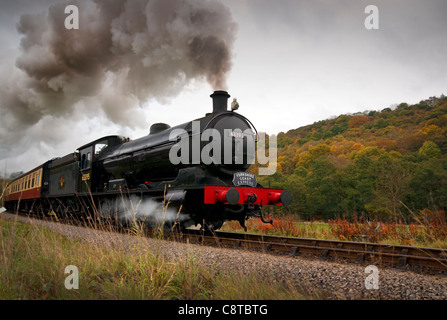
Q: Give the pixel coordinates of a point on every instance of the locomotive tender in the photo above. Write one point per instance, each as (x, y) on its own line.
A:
(113, 177)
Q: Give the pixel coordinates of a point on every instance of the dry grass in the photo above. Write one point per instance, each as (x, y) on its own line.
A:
(33, 260)
(428, 229)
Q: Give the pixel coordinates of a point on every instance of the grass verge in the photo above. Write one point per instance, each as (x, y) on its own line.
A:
(33, 261)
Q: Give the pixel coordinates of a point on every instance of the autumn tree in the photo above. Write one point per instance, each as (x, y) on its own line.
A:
(358, 121)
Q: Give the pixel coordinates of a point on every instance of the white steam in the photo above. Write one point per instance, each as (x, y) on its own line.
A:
(136, 209)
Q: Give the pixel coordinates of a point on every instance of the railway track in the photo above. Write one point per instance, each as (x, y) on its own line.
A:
(361, 252)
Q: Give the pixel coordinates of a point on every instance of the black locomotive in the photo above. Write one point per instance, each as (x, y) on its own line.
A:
(143, 179)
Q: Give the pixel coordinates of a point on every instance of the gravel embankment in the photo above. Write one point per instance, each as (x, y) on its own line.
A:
(334, 280)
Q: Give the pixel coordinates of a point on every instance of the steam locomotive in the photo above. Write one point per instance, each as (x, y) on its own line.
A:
(116, 178)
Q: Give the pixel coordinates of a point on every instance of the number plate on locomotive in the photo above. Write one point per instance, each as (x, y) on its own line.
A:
(244, 179)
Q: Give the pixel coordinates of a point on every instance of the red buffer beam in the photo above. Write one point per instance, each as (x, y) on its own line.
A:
(246, 195)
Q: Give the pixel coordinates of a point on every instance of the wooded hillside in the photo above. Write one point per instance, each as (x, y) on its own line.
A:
(381, 164)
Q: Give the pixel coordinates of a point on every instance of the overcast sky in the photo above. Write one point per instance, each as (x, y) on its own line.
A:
(293, 63)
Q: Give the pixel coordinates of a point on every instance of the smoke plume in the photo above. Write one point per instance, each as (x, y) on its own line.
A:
(124, 54)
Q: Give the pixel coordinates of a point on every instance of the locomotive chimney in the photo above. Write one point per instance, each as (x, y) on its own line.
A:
(220, 101)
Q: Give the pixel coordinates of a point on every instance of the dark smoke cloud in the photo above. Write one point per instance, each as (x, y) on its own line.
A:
(125, 53)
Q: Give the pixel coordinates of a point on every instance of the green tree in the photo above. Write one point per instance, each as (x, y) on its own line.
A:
(429, 185)
(393, 177)
(321, 196)
(430, 150)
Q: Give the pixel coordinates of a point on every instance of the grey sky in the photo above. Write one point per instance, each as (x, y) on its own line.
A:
(294, 62)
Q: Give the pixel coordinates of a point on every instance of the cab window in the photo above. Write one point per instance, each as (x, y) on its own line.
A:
(100, 146)
(86, 160)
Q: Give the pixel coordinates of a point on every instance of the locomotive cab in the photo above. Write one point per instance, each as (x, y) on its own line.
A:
(92, 176)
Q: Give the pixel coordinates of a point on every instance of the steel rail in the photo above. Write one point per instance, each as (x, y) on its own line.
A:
(392, 255)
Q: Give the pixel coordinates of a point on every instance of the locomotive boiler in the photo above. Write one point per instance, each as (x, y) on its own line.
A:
(193, 173)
